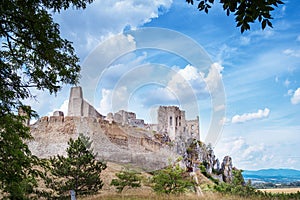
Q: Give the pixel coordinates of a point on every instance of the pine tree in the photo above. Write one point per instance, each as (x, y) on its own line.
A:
(127, 178)
(79, 171)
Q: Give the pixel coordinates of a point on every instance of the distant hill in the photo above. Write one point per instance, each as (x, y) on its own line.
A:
(273, 175)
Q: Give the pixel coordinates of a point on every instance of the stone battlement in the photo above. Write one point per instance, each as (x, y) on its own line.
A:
(62, 119)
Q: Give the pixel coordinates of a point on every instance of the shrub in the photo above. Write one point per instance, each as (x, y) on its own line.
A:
(171, 180)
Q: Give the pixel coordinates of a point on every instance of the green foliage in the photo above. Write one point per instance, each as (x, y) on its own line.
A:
(245, 11)
(238, 178)
(171, 180)
(202, 168)
(32, 52)
(33, 55)
(79, 171)
(127, 178)
(17, 175)
(239, 188)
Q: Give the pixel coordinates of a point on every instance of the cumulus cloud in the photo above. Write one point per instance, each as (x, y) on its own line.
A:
(158, 85)
(63, 108)
(213, 79)
(103, 18)
(246, 155)
(251, 116)
(187, 81)
(113, 100)
(296, 97)
(105, 102)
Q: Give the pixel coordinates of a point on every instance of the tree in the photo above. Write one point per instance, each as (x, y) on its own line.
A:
(79, 171)
(33, 55)
(171, 180)
(127, 178)
(15, 167)
(245, 11)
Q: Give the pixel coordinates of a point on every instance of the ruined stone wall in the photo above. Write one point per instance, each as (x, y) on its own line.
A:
(79, 107)
(110, 141)
(193, 129)
(125, 118)
(151, 145)
(172, 120)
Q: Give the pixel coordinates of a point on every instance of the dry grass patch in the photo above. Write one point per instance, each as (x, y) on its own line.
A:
(281, 190)
(149, 195)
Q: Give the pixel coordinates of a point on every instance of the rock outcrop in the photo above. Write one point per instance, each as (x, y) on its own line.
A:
(226, 169)
(200, 155)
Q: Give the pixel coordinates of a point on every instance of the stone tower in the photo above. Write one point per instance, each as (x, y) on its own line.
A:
(171, 120)
(79, 107)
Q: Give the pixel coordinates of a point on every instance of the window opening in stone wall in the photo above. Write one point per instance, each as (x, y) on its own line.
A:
(171, 121)
(179, 120)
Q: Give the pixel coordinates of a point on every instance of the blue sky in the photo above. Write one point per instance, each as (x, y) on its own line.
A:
(260, 72)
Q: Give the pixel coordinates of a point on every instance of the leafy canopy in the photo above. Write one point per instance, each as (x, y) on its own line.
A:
(32, 55)
(245, 11)
(16, 160)
(79, 171)
(32, 52)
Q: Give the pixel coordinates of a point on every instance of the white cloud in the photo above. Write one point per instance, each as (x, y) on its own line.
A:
(244, 155)
(189, 73)
(63, 108)
(213, 79)
(187, 81)
(296, 97)
(292, 52)
(251, 116)
(103, 18)
(113, 100)
(105, 102)
(245, 40)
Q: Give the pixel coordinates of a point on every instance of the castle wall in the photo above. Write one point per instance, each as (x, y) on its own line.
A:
(193, 129)
(79, 107)
(126, 118)
(171, 120)
(112, 142)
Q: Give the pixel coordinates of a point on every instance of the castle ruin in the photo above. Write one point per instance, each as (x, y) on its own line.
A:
(121, 137)
(171, 120)
(79, 107)
(118, 137)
